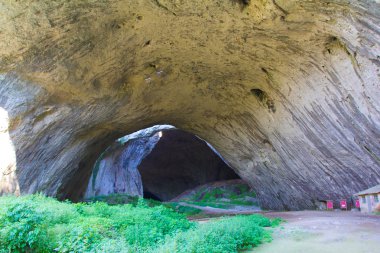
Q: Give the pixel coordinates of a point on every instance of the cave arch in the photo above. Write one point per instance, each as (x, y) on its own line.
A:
(158, 162)
(69, 97)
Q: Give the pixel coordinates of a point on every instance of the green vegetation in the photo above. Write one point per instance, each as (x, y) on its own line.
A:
(225, 196)
(224, 235)
(40, 224)
(119, 199)
(115, 199)
(186, 210)
(219, 196)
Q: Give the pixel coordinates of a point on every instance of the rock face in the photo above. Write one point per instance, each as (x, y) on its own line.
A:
(154, 164)
(286, 90)
(116, 171)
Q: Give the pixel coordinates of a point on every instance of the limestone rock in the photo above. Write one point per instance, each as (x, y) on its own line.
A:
(286, 91)
(117, 169)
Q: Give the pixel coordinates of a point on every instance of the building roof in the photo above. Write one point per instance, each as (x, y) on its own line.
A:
(375, 189)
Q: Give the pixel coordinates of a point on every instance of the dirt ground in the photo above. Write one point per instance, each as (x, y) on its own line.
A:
(220, 211)
(324, 232)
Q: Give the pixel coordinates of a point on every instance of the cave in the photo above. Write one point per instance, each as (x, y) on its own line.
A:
(159, 163)
(286, 90)
(180, 162)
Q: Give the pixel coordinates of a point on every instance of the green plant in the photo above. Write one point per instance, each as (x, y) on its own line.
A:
(276, 221)
(113, 245)
(115, 199)
(40, 224)
(225, 235)
(79, 239)
(226, 196)
(20, 227)
(186, 210)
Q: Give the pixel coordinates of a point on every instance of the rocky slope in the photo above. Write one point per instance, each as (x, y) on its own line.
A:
(286, 90)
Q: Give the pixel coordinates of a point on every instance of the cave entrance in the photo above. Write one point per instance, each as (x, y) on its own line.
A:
(159, 163)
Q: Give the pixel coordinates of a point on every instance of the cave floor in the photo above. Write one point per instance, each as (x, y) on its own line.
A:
(208, 210)
(320, 231)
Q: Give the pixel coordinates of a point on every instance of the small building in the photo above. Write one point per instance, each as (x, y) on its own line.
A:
(369, 199)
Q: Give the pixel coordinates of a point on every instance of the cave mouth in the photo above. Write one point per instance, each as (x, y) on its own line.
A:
(159, 163)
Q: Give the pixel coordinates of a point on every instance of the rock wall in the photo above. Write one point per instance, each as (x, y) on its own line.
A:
(116, 171)
(286, 90)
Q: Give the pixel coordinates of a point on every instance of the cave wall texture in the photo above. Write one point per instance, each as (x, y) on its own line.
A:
(286, 90)
(116, 170)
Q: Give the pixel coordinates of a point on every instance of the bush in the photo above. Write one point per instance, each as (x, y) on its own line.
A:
(225, 235)
(20, 227)
(40, 224)
(79, 239)
(114, 245)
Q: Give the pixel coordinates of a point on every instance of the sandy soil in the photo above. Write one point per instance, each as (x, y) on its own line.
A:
(324, 232)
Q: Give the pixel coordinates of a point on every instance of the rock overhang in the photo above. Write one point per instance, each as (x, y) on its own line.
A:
(286, 91)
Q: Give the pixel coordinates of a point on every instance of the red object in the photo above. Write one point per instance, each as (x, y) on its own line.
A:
(343, 204)
(330, 205)
(357, 203)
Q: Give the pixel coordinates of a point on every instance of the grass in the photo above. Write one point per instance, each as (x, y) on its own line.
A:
(227, 196)
(186, 210)
(224, 235)
(119, 199)
(40, 224)
(115, 199)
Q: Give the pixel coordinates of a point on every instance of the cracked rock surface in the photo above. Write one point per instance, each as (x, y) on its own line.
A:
(287, 91)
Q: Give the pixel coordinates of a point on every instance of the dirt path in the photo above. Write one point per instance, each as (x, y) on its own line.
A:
(324, 232)
(214, 210)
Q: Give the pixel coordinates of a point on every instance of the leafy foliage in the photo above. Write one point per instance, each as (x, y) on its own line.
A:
(117, 199)
(225, 235)
(224, 196)
(20, 227)
(40, 224)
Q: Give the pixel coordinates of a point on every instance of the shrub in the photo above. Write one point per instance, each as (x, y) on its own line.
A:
(40, 224)
(225, 235)
(114, 245)
(20, 227)
(79, 239)
(153, 225)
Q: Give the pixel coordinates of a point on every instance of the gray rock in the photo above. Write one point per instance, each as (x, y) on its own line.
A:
(286, 91)
(116, 172)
